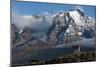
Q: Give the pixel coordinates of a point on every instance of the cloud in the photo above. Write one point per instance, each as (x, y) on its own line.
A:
(20, 21)
(46, 13)
(31, 22)
(79, 7)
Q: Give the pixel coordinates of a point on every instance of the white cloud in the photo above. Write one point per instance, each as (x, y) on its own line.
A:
(31, 22)
(20, 21)
(46, 13)
(79, 7)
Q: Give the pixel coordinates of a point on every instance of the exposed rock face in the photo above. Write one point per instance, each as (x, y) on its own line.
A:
(25, 36)
(66, 27)
(70, 26)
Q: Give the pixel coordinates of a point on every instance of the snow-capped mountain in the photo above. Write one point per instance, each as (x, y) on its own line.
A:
(51, 31)
(71, 26)
(59, 28)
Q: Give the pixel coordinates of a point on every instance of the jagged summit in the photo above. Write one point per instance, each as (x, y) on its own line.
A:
(61, 28)
(70, 26)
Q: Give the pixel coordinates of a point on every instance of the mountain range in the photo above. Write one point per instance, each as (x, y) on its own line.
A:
(57, 29)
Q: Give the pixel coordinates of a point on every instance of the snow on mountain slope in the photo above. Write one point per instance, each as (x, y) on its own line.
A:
(60, 30)
(78, 19)
(61, 27)
(71, 25)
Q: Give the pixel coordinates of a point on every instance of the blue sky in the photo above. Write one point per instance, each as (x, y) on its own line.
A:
(29, 8)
